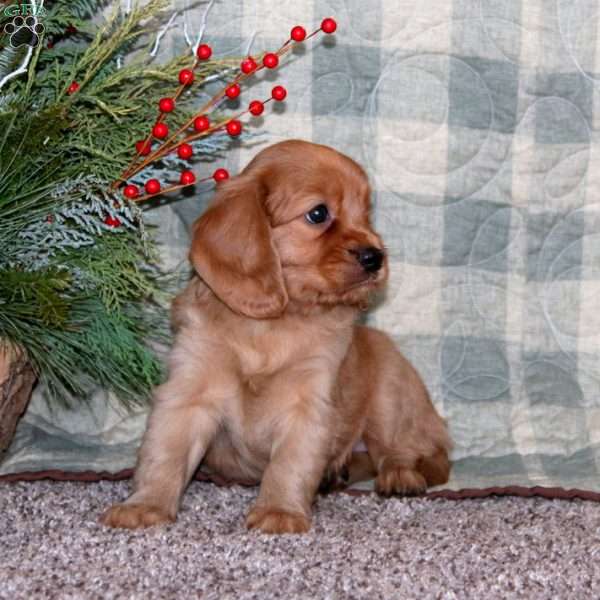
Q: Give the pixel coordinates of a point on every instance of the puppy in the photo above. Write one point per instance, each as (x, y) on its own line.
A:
(271, 380)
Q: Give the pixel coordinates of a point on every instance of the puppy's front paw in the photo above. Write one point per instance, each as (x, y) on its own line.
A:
(399, 480)
(134, 516)
(273, 520)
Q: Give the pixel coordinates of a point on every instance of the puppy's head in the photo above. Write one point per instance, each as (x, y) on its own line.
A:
(292, 227)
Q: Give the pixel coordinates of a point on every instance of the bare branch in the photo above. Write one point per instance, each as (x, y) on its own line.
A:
(160, 35)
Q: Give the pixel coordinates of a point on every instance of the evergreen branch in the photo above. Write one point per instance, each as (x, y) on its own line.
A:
(78, 278)
(128, 366)
(35, 297)
(104, 107)
(107, 43)
(93, 151)
(7, 130)
(33, 63)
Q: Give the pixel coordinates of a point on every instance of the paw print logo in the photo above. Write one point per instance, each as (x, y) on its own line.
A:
(24, 31)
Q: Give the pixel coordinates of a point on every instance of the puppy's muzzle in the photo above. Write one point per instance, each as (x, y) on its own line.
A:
(370, 258)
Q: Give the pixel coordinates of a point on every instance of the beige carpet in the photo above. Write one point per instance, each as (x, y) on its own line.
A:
(360, 547)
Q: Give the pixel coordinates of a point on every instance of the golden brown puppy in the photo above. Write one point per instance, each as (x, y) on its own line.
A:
(270, 378)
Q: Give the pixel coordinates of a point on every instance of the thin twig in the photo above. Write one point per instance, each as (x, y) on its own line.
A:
(250, 42)
(202, 26)
(160, 35)
(186, 36)
(172, 188)
(20, 70)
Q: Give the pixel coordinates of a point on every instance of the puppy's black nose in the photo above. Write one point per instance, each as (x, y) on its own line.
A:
(370, 258)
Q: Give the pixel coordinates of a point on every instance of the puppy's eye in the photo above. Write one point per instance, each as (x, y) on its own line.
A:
(318, 214)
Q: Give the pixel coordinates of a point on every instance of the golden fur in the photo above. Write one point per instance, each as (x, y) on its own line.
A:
(270, 378)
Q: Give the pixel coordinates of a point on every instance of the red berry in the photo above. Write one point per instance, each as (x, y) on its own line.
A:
(143, 147)
(234, 127)
(328, 25)
(166, 105)
(270, 60)
(220, 175)
(248, 65)
(187, 178)
(204, 52)
(152, 186)
(201, 123)
(298, 33)
(256, 107)
(112, 221)
(131, 191)
(71, 29)
(233, 91)
(160, 131)
(186, 76)
(74, 87)
(278, 93)
(185, 151)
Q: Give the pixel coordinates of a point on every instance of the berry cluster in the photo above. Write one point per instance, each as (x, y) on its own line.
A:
(162, 141)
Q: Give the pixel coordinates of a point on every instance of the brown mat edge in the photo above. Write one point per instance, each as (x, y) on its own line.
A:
(510, 490)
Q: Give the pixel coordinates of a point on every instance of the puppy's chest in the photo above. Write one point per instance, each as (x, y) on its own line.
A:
(277, 363)
(263, 350)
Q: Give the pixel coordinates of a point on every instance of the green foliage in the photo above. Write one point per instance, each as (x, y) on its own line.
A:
(82, 297)
(36, 297)
(95, 347)
(61, 14)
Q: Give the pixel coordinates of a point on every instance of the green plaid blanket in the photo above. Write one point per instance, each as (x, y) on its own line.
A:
(478, 123)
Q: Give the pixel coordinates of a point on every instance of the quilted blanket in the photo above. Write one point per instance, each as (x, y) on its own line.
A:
(478, 122)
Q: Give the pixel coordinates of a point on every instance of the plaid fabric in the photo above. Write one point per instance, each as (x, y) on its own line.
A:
(476, 121)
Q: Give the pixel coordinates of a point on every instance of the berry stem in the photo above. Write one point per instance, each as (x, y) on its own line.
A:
(312, 34)
(172, 142)
(171, 188)
(167, 148)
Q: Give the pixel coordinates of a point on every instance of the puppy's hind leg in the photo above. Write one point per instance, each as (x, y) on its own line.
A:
(406, 438)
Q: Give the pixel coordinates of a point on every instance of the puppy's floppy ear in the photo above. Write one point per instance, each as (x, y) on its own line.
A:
(232, 250)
